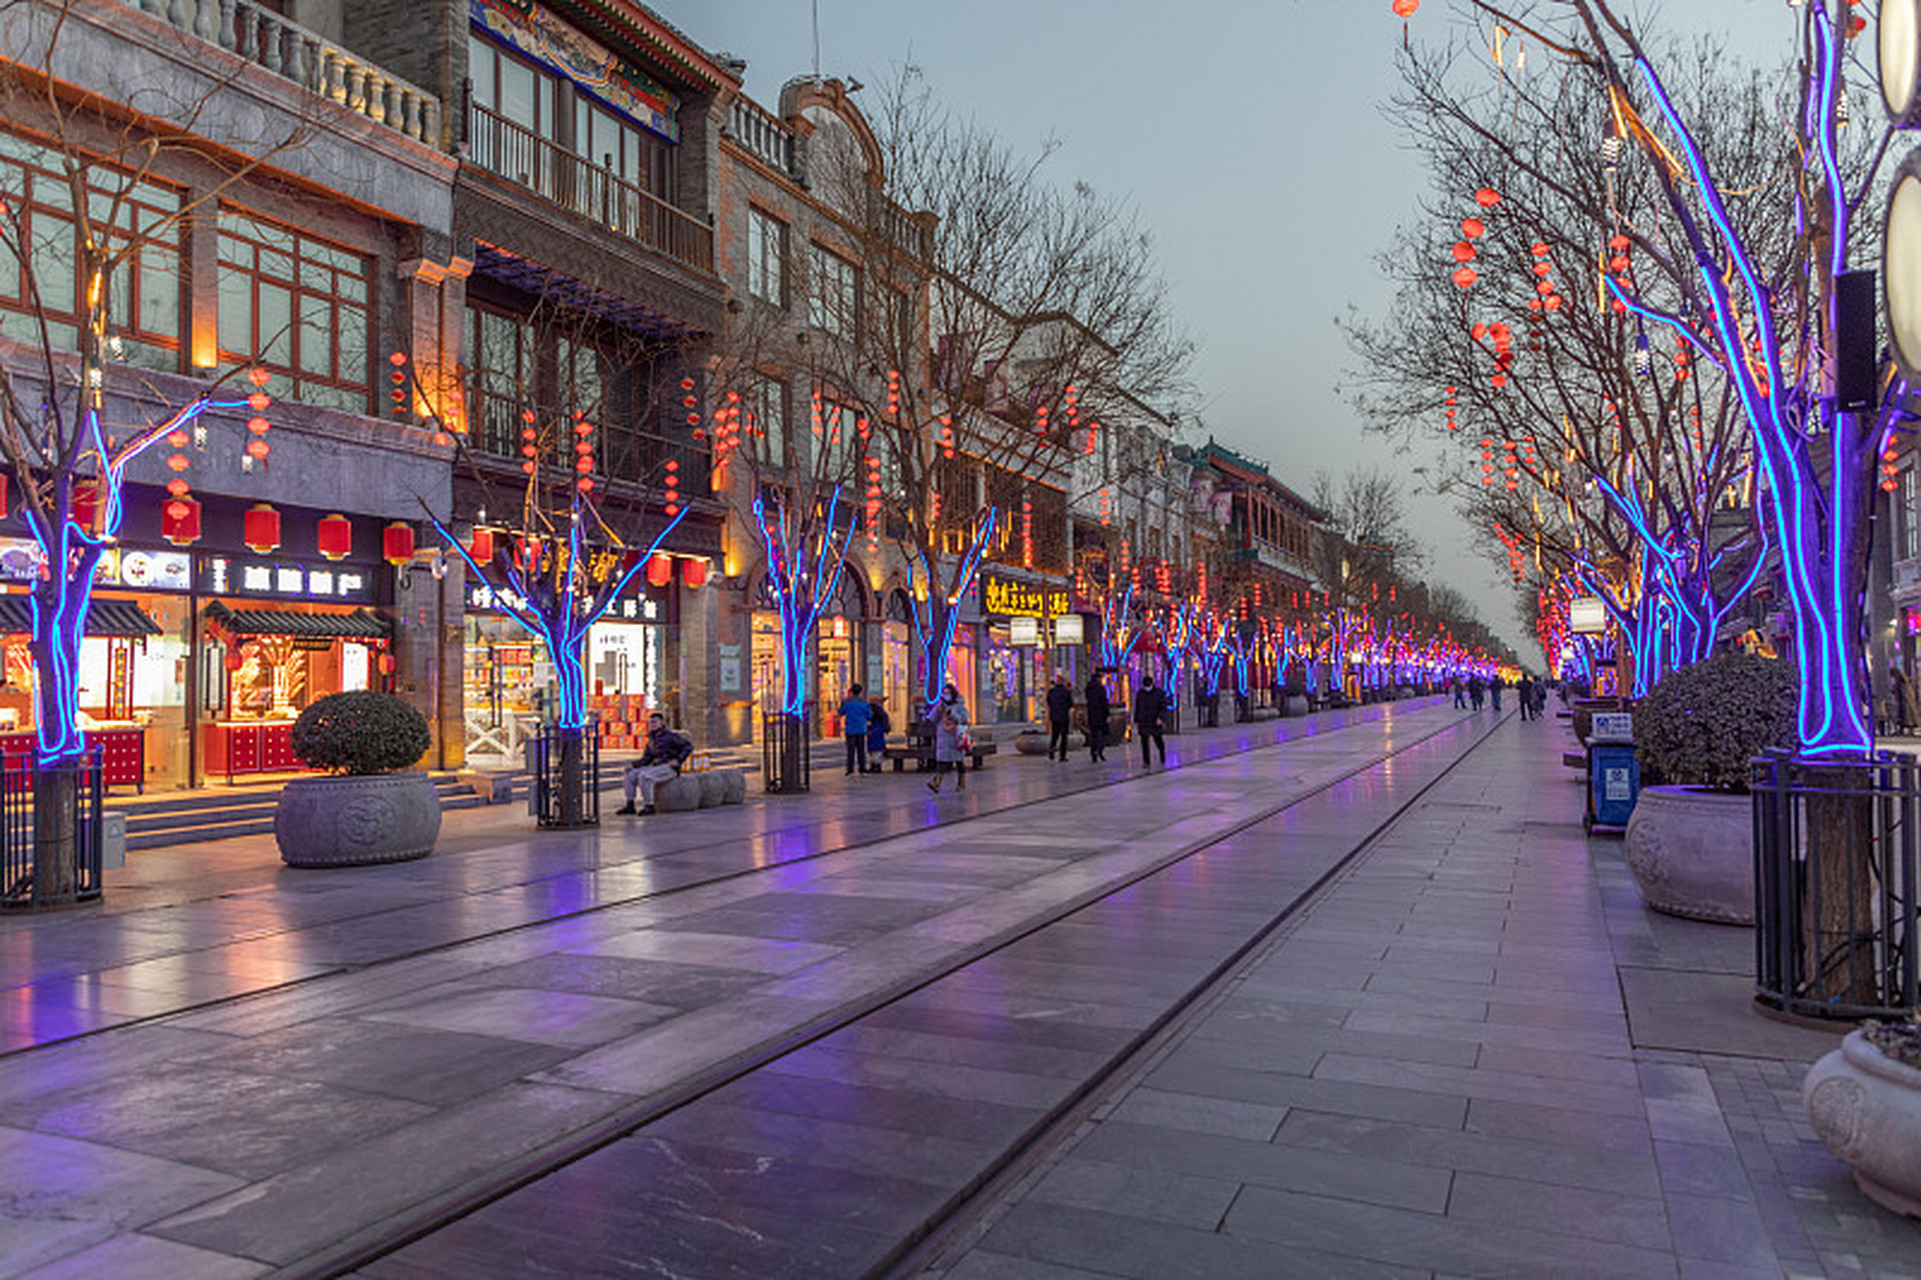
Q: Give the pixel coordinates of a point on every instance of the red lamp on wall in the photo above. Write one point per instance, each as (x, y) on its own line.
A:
(482, 547)
(693, 573)
(336, 536)
(86, 502)
(261, 529)
(180, 521)
(660, 569)
(397, 543)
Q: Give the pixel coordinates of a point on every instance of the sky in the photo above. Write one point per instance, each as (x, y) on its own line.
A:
(1249, 136)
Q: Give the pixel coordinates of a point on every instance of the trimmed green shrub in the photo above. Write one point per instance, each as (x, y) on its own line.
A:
(1702, 724)
(360, 732)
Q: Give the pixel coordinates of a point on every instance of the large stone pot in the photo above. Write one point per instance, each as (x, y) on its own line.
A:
(1867, 1108)
(1692, 853)
(355, 820)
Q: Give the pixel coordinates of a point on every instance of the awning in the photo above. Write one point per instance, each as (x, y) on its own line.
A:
(104, 618)
(361, 624)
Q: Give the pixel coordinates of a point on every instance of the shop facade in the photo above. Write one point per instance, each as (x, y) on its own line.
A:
(1025, 629)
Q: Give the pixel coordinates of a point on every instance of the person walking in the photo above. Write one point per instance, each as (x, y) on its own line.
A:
(1060, 712)
(1150, 709)
(1524, 695)
(666, 752)
(1460, 693)
(1537, 695)
(1494, 686)
(949, 720)
(1476, 690)
(879, 725)
(1098, 715)
(1901, 701)
(855, 714)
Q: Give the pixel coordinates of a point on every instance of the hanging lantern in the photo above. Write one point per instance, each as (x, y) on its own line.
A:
(660, 569)
(482, 546)
(261, 529)
(693, 573)
(180, 521)
(1405, 8)
(1487, 197)
(397, 543)
(1465, 276)
(336, 536)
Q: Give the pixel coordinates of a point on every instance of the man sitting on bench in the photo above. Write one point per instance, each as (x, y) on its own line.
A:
(666, 752)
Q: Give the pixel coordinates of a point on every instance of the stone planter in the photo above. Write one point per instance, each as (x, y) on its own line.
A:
(1867, 1108)
(1033, 743)
(1692, 853)
(356, 820)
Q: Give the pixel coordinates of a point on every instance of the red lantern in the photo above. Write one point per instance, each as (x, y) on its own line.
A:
(693, 573)
(397, 543)
(660, 569)
(1405, 8)
(336, 536)
(261, 529)
(1466, 276)
(180, 521)
(482, 547)
(1487, 197)
(86, 502)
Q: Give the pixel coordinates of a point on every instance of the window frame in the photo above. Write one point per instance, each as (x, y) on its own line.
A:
(333, 388)
(767, 262)
(838, 316)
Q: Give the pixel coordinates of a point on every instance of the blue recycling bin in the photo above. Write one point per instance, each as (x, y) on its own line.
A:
(1614, 784)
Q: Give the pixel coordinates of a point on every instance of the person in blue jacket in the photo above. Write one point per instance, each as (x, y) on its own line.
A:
(855, 714)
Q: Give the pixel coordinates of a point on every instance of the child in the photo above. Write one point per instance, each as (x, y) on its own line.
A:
(877, 727)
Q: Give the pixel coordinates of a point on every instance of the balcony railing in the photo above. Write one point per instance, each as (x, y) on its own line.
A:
(310, 61)
(576, 184)
(763, 135)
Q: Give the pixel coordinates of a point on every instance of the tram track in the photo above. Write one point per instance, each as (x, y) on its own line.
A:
(918, 1247)
(767, 840)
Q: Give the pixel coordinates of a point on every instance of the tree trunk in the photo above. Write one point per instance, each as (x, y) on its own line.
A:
(56, 836)
(1840, 964)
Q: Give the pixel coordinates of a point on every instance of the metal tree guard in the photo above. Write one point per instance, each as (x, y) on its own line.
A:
(57, 810)
(565, 763)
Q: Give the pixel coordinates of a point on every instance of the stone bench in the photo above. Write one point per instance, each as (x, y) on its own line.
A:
(707, 789)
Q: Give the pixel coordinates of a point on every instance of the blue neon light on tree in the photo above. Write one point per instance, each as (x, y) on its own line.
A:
(805, 552)
(1753, 294)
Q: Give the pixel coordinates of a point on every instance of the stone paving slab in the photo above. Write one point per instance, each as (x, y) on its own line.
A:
(1484, 1000)
(321, 1136)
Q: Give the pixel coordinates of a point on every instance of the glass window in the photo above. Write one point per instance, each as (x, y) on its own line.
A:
(298, 306)
(767, 422)
(833, 303)
(767, 257)
(130, 214)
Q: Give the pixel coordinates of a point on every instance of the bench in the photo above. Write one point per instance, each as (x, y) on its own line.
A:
(708, 789)
(920, 747)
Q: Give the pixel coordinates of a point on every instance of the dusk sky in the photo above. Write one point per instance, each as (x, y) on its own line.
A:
(1249, 135)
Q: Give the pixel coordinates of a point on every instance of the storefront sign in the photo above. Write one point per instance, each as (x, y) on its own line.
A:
(1023, 630)
(148, 570)
(1587, 616)
(285, 579)
(483, 598)
(1070, 628)
(730, 668)
(1006, 598)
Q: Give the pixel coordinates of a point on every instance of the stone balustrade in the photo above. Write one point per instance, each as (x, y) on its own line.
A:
(309, 60)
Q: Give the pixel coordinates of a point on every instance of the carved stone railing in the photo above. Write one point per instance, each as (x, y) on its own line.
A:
(763, 135)
(317, 64)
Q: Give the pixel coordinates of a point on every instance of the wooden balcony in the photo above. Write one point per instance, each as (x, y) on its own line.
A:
(574, 183)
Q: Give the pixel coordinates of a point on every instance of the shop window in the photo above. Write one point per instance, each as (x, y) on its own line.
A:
(500, 379)
(833, 303)
(129, 213)
(298, 306)
(767, 257)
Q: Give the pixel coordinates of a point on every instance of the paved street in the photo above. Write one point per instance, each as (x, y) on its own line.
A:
(1074, 1022)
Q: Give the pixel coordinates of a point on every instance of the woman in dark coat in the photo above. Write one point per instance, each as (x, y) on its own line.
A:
(1098, 712)
(1150, 708)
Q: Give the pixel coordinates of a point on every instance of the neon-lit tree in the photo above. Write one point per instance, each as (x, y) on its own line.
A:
(1742, 277)
(1042, 308)
(65, 449)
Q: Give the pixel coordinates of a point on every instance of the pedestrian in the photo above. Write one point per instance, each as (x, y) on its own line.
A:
(879, 725)
(1098, 715)
(666, 752)
(1476, 690)
(855, 714)
(1494, 686)
(1538, 695)
(1460, 692)
(1150, 708)
(1060, 712)
(948, 718)
(1524, 695)
(1901, 700)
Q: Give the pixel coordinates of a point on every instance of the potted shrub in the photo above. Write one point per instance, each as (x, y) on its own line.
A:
(365, 809)
(1690, 842)
(1864, 1101)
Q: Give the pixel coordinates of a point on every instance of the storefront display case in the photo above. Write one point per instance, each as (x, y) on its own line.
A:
(264, 666)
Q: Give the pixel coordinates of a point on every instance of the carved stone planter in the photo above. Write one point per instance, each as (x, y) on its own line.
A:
(356, 820)
(1692, 853)
(1867, 1108)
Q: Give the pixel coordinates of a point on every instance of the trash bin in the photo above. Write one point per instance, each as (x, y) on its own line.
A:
(113, 840)
(1614, 775)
